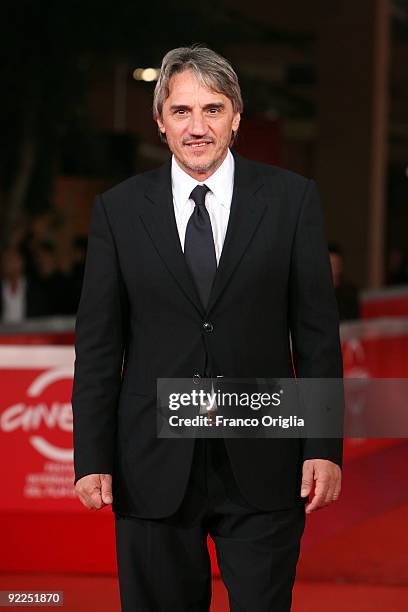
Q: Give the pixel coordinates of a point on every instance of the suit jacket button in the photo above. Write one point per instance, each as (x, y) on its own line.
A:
(208, 327)
(196, 378)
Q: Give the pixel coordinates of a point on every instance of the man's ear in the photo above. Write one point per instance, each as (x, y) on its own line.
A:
(160, 125)
(236, 121)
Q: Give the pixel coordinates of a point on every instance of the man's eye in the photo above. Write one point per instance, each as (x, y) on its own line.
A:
(213, 111)
(180, 111)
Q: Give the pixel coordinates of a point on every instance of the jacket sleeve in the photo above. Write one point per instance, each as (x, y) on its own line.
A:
(313, 313)
(99, 349)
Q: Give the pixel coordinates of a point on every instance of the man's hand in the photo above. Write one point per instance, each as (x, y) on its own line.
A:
(95, 490)
(326, 478)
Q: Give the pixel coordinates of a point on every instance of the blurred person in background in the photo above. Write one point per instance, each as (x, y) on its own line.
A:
(79, 255)
(68, 263)
(53, 284)
(58, 267)
(21, 295)
(397, 267)
(346, 292)
(69, 298)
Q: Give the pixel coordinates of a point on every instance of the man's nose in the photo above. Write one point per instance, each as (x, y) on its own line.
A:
(198, 125)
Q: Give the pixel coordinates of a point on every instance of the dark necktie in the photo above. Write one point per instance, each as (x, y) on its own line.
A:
(199, 249)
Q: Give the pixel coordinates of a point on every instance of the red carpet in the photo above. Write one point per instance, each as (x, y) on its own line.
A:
(374, 551)
(85, 593)
(354, 554)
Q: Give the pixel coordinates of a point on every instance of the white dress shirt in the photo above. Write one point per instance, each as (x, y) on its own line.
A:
(217, 202)
(14, 302)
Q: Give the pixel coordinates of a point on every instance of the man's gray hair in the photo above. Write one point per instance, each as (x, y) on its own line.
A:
(213, 70)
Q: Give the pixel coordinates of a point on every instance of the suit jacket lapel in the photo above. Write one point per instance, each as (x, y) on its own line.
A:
(160, 222)
(245, 215)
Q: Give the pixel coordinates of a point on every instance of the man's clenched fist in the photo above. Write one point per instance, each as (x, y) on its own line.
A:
(95, 490)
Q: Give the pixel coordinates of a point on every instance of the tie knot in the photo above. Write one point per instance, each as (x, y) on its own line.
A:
(198, 194)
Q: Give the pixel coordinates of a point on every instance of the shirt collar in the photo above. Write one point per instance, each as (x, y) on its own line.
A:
(221, 182)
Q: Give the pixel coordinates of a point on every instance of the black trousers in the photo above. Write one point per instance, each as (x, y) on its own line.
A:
(163, 564)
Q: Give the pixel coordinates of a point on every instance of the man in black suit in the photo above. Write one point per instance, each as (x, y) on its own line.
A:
(203, 268)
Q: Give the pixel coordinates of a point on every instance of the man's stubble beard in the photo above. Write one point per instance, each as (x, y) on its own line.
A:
(202, 168)
(205, 168)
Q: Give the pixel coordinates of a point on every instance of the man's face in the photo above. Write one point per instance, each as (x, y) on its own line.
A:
(198, 125)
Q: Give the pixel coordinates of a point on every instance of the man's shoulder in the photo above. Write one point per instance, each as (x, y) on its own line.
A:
(275, 176)
(134, 186)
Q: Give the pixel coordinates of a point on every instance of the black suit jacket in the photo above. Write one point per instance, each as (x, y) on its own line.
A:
(140, 318)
